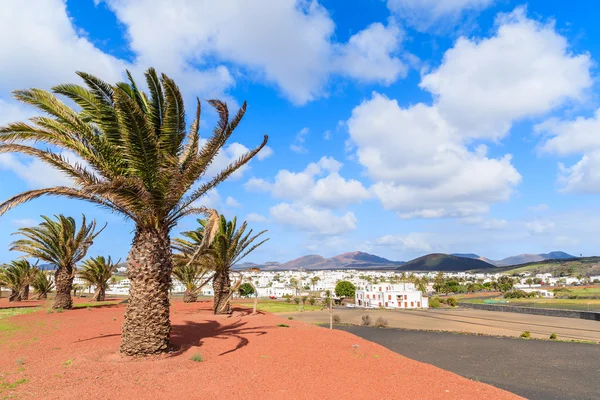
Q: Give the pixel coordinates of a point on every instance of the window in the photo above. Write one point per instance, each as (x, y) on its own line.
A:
(419, 304)
(380, 288)
(368, 297)
(386, 303)
(412, 303)
(405, 297)
(405, 304)
(389, 296)
(379, 304)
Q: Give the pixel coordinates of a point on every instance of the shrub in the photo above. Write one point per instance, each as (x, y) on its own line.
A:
(288, 300)
(434, 303)
(451, 301)
(283, 325)
(196, 357)
(366, 320)
(381, 323)
(526, 335)
(312, 300)
(515, 294)
(553, 336)
(304, 298)
(290, 318)
(297, 300)
(336, 319)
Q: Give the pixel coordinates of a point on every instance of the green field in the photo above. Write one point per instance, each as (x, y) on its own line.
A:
(5, 313)
(274, 306)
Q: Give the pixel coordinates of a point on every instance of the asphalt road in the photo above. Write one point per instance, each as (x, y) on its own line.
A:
(533, 369)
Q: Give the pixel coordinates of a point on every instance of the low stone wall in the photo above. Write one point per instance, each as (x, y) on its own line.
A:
(551, 312)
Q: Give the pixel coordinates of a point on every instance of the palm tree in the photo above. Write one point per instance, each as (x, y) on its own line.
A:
(314, 281)
(139, 161)
(18, 275)
(421, 284)
(191, 276)
(230, 246)
(97, 272)
(42, 284)
(58, 242)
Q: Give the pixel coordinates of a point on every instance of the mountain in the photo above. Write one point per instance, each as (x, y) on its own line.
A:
(352, 260)
(445, 263)
(474, 256)
(527, 258)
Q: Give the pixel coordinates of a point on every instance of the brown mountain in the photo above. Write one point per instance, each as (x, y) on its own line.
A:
(352, 260)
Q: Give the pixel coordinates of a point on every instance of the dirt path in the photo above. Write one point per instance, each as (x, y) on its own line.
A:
(467, 320)
(538, 370)
(73, 355)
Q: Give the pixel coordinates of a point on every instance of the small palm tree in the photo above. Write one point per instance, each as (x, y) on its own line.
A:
(58, 242)
(18, 275)
(314, 281)
(97, 272)
(42, 284)
(230, 246)
(142, 162)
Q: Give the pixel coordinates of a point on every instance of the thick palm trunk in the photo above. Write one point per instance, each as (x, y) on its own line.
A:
(99, 294)
(189, 297)
(222, 287)
(147, 328)
(63, 279)
(14, 296)
(24, 294)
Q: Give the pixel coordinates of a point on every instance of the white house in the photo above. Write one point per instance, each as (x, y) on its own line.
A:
(387, 295)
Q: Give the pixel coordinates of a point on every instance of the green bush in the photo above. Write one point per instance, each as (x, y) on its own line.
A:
(451, 301)
(290, 318)
(553, 336)
(515, 294)
(283, 325)
(526, 335)
(434, 303)
(336, 319)
(312, 300)
(366, 320)
(297, 300)
(196, 357)
(381, 323)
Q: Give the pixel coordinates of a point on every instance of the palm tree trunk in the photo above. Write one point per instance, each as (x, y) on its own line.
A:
(24, 294)
(222, 287)
(189, 297)
(63, 279)
(147, 328)
(14, 296)
(99, 294)
(42, 296)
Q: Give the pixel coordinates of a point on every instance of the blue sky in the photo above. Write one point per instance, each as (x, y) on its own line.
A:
(397, 127)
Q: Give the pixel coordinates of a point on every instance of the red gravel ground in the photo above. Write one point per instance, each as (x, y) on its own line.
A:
(74, 355)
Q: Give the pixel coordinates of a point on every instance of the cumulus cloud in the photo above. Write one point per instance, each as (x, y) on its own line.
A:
(312, 220)
(539, 227)
(425, 159)
(231, 202)
(298, 145)
(426, 14)
(24, 223)
(287, 43)
(36, 173)
(255, 217)
(320, 184)
(413, 242)
(265, 152)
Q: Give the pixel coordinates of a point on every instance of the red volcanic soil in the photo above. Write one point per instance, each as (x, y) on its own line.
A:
(74, 355)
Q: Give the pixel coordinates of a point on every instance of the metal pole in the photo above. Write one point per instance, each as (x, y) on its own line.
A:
(330, 313)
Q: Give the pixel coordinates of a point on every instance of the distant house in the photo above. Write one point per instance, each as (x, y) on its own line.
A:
(403, 296)
(541, 292)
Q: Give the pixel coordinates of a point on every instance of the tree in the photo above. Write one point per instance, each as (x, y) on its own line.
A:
(529, 281)
(294, 284)
(314, 281)
(345, 289)
(421, 284)
(246, 289)
(58, 242)
(17, 276)
(229, 246)
(141, 162)
(42, 285)
(97, 272)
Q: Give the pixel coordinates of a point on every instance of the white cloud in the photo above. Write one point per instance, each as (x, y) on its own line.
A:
(298, 145)
(255, 217)
(24, 223)
(539, 227)
(538, 208)
(314, 221)
(227, 155)
(578, 136)
(330, 191)
(231, 202)
(425, 14)
(413, 242)
(327, 135)
(265, 152)
(287, 43)
(36, 173)
(425, 160)
(368, 55)
(211, 199)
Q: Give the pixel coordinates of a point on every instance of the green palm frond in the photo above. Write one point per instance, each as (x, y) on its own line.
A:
(97, 271)
(42, 284)
(138, 158)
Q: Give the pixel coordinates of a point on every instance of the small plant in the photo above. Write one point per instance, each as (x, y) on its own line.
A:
(290, 318)
(553, 336)
(297, 300)
(451, 301)
(59, 310)
(197, 357)
(49, 311)
(366, 320)
(434, 303)
(20, 361)
(68, 363)
(283, 325)
(312, 300)
(526, 335)
(336, 319)
(381, 323)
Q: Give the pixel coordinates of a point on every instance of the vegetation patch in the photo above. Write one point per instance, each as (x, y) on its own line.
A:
(525, 335)
(366, 320)
(197, 357)
(6, 325)
(280, 306)
(283, 325)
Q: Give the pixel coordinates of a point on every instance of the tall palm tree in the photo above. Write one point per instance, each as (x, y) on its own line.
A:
(230, 245)
(18, 275)
(42, 285)
(58, 242)
(140, 161)
(97, 272)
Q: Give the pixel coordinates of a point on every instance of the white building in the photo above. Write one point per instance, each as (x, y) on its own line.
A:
(391, 296)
